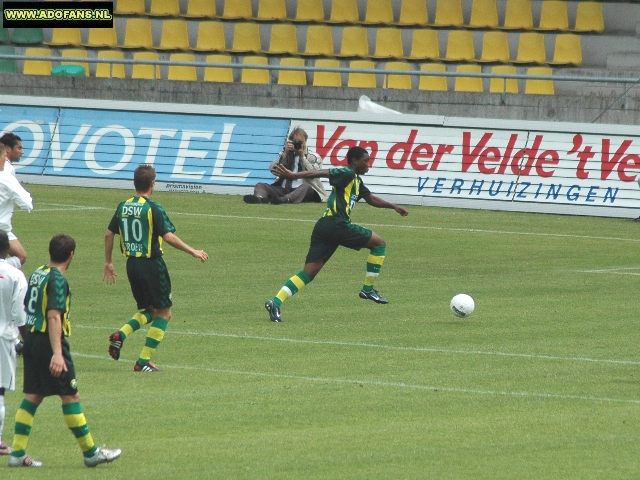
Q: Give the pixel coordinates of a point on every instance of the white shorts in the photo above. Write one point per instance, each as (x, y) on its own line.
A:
(8, 364)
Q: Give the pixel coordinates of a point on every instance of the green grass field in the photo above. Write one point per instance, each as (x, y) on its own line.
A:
(541, 382)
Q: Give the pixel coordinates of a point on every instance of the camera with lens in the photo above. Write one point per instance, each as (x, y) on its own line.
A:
(297, 144)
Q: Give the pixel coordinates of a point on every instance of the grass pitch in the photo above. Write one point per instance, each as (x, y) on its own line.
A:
(540, 382)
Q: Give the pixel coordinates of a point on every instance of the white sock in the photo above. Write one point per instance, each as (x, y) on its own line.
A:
(14, 261)
(2, 412)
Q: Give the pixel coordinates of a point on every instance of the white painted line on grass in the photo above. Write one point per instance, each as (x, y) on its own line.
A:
(385, 225)
(381, 383)
(398, 348)
(614, 271)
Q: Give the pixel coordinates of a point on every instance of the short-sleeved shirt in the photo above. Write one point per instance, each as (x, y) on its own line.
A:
(141, 223)
(13, 288)
(48, 290)
(348, 188)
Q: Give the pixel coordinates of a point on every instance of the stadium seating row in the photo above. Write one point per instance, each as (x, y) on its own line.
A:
(289, 77)
(449, 13)
(425, 43)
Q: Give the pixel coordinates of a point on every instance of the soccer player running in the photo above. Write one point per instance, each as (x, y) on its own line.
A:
(48, 366)
(335, 229)
(143, 226)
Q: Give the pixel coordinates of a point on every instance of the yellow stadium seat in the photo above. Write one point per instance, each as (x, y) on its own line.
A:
(175, 35)
(500, 85)
(460, 46)
(65, 37)
(182, 72)
(201, 9)
(237, 10)
(388, 43)
(292, 77)
(568, 50)
(449, 13)
(518, 15)
(361, 80)
(379, 12)
(218, 74)
(484, 14)
(495, 47)
(37, 67)
(432, 82)
(413, 12)
(106, 70)
(75, 53)
(468, 84)
(137, 34)
(424, 45)
(210, 37)
(589, 17)
(284, 39)
(272, 10)
(397, 81)
(539, 87)
(344, 11)
(355, 42)
(164, 8)
(553, 15)
(129, 7)
(319, 41)
(309, 11)
(102, 37)
(253, 75)
(246, 38)
(327, 79)
(531, 48)
(147, 71)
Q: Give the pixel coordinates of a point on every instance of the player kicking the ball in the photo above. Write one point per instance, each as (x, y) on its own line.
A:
(335, 228)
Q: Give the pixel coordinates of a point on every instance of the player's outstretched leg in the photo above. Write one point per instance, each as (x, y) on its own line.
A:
(116, 339)
(374, 264)
(289, 289)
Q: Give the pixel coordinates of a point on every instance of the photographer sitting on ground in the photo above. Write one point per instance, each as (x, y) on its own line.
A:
(297, 158)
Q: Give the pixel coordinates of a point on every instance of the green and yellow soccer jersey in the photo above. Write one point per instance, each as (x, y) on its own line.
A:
(348, 188)
(141, 223)
(48, 290)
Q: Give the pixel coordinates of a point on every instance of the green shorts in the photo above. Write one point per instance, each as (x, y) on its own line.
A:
(38, 380)
(150, 282)
(332, 232)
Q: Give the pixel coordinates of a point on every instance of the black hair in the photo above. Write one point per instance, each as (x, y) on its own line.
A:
(143, 177)
(61, 247)
(10, 139)
(4, 242)
(355, 153)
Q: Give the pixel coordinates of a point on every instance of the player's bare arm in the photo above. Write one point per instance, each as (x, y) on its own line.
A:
(380, 203)
(284, 172)
(54, 320)
(109, 275)
(175, 241)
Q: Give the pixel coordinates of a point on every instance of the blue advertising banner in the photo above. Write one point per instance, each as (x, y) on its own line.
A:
(203, 149)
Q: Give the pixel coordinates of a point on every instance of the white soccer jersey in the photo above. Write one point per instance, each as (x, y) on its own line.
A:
(11, 192)
(13, 288)
(8, 167)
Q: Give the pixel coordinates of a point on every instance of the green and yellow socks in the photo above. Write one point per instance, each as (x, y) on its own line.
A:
(77, 423)
(138, 321)
(374, 264)
(154, 337)
(291, 287)
(73, 417)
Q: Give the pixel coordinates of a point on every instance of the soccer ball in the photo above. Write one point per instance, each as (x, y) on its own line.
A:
(462, 305)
